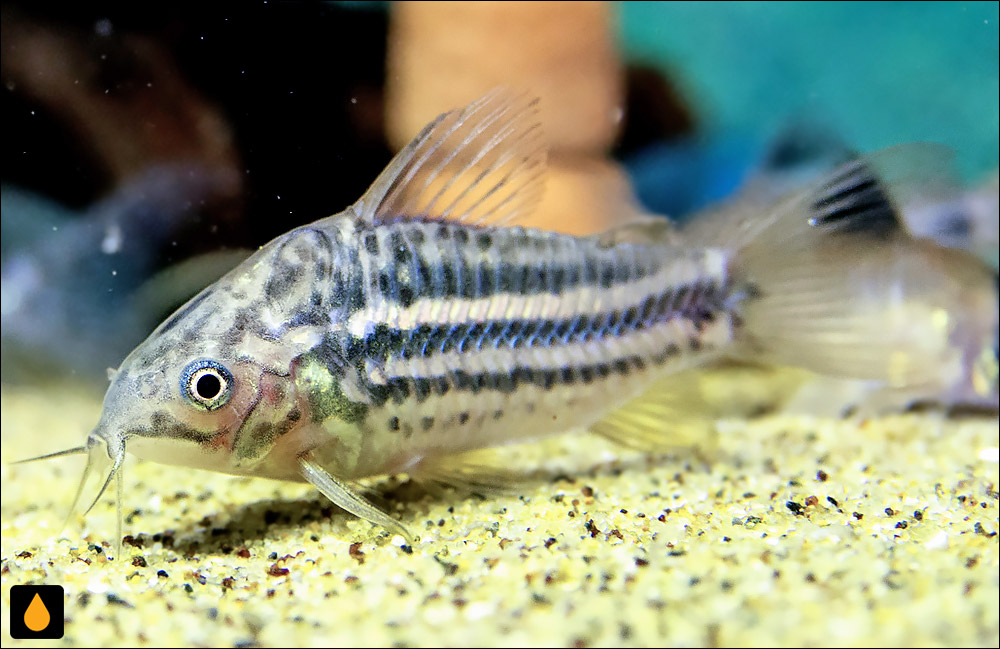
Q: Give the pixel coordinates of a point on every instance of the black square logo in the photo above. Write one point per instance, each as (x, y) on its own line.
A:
(36, 612)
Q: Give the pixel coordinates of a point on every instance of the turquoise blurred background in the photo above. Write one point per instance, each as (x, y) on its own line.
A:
(877, 73)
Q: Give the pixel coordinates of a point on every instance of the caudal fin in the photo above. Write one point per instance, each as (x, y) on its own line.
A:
(831, 280)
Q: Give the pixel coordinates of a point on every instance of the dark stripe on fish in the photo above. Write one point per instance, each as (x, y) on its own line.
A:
(462, 262)
(400, 389)
(165, 426)
(697, 303)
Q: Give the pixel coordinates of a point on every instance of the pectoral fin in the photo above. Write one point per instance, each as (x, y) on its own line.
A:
(347, 497)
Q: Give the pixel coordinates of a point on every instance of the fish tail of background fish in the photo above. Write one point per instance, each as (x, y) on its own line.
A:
(835, 283)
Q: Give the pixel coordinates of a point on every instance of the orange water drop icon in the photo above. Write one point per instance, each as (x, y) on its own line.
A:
(36, 617)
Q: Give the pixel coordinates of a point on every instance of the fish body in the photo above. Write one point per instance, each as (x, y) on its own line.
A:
(938, 310)
(409, 340)
(429, 319)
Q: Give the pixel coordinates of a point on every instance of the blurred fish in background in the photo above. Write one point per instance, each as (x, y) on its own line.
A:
(75, 294)
(964, 219)
(147, 150)
(932, 286)
(930, 306)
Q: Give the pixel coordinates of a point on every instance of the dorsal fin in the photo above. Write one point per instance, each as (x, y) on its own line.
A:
(868, 194)
(854, 200)
(479, 165)
(859, 203)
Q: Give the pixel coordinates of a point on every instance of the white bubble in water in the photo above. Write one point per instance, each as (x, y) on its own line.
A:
(112, 241)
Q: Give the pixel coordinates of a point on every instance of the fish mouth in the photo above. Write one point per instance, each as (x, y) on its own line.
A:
(113, 456)
(115, 453)
(94, 458)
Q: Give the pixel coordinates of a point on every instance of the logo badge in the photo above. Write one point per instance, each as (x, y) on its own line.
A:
(36, 612)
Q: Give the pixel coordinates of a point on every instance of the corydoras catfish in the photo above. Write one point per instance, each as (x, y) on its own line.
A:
(926, 301)
(429, 320)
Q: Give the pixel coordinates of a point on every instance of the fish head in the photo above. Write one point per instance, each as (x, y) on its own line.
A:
(212, 387)
(181, 402)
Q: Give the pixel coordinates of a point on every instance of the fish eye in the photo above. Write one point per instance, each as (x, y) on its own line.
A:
(206, 384)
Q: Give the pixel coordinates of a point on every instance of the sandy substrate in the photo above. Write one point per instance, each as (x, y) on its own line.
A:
(798, 531)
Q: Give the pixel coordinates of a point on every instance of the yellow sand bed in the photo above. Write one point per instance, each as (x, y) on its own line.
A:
(799, 531)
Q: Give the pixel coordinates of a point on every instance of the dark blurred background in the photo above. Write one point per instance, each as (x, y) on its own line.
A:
(295, 87)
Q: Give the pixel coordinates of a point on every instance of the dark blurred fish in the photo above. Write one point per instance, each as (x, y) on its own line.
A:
(75, 294)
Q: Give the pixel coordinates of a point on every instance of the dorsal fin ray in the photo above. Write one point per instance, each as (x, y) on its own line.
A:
(479, 165)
